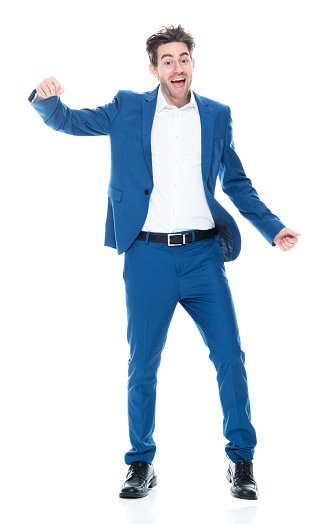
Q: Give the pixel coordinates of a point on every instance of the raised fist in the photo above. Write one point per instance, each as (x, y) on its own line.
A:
(49, 87)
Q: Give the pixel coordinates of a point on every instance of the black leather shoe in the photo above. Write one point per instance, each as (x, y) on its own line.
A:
(139, 479)
(240, 474)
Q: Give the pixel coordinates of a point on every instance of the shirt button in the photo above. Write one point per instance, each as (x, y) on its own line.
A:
(176, 160)
(173, 209)
(176, 137)
(146, 192)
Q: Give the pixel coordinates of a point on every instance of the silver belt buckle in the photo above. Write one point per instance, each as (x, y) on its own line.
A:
(183, 235)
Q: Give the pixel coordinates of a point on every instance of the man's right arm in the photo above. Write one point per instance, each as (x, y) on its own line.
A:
(79, 122)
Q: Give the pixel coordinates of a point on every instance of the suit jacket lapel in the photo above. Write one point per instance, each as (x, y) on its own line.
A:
(207, 129)
(148, 112)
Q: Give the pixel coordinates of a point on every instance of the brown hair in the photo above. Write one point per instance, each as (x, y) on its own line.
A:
(166, 35)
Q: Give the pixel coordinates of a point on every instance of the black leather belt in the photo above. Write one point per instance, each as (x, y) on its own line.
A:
(177, 239)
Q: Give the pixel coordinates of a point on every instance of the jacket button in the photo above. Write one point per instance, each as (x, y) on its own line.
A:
(146, 192)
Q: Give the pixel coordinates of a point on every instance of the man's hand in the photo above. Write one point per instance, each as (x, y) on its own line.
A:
(49, 87)
(286, 239)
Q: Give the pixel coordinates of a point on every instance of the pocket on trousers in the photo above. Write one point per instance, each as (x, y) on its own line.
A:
(124, 266)
(219, 250)
(126, 262)
(205, 244)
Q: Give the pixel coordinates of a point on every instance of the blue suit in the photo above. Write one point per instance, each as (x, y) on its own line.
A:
(192, 275)
(128, 121)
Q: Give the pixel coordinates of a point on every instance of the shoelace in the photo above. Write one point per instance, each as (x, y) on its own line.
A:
(136, 468)
(245, 469)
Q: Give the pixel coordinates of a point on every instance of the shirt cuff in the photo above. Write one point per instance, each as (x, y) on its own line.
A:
(37, 98)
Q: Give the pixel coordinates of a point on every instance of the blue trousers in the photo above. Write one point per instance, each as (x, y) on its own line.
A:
(157, 277)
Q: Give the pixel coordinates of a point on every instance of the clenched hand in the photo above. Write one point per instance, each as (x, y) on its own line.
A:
(49, 87)
(286, 239)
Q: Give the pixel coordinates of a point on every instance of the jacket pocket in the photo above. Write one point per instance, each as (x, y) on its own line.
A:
(114, 193)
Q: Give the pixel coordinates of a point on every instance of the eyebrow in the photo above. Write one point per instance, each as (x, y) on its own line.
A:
(181, 54)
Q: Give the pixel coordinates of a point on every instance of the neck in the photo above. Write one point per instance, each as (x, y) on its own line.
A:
(178, 103)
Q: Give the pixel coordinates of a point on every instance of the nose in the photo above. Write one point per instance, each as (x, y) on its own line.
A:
(178, 68)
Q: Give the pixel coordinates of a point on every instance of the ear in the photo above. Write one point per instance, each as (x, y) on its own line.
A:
(193, 64)
(153, 70)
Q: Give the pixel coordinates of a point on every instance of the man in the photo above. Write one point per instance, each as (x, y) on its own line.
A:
(168, 147)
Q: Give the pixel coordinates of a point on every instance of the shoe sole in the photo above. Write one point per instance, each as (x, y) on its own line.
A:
(244, 497)
(151, 484)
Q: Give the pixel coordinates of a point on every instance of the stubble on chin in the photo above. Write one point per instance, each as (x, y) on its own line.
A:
(176, 96)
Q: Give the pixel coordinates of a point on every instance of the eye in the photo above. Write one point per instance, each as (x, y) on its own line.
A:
(167, 63)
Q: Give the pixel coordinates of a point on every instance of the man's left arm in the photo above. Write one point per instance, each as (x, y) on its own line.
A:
(239, 189)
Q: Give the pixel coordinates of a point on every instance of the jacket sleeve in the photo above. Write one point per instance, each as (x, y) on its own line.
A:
(78, 122)
(239, 189)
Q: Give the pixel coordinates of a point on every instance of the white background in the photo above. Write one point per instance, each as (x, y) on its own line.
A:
(64, 351)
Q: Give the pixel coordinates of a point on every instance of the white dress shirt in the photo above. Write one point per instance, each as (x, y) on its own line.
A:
(178, 201)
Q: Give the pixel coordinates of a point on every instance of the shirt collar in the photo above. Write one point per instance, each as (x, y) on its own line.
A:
(162, 103)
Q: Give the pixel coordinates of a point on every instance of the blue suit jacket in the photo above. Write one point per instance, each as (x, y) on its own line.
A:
(128, 121)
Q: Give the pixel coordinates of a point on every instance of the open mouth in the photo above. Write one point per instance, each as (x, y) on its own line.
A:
(178, 83)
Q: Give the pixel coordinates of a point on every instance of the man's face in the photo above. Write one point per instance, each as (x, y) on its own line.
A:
(174, 72)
